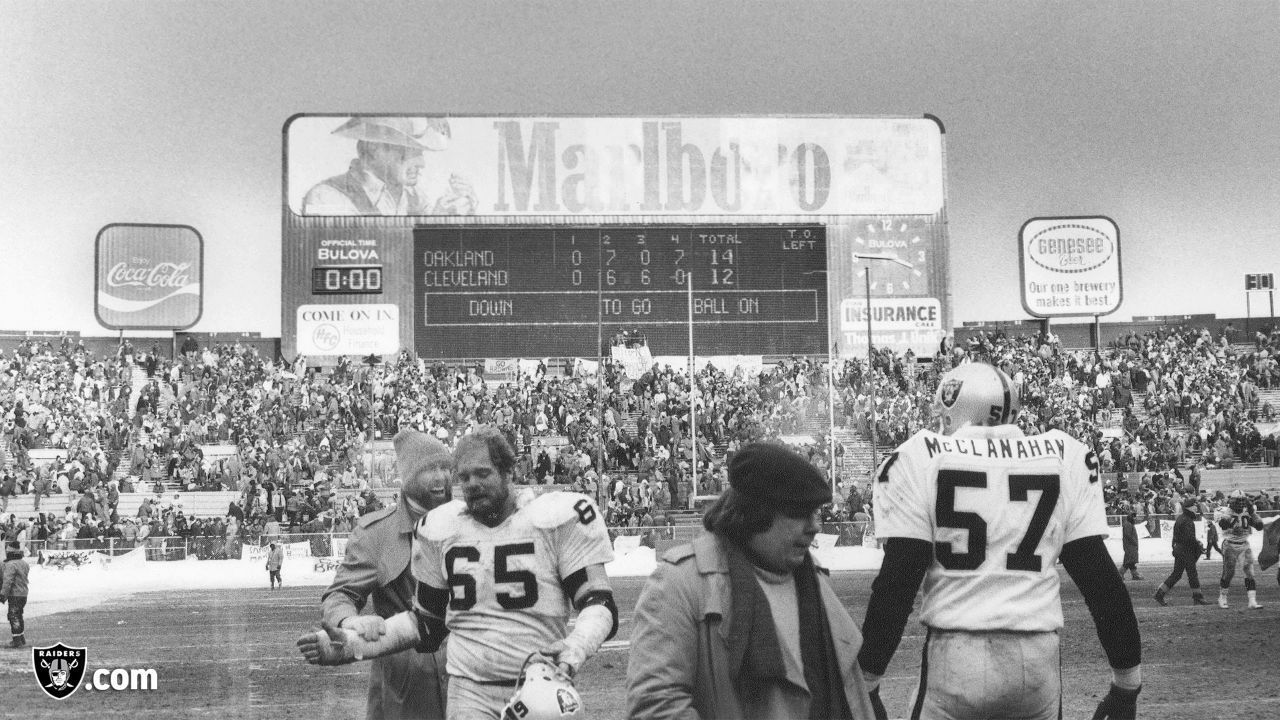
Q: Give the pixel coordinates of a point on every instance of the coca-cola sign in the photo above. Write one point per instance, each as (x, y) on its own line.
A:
(160, 275)
(149, 277)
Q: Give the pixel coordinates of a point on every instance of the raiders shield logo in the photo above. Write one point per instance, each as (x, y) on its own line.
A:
(59, 669)
(950, 390)
(567, 702)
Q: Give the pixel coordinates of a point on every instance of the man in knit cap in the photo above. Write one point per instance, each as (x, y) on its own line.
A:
(500, 573)
(407, 684)
(742, 623)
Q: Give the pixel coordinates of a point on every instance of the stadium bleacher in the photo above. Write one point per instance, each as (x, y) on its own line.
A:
(199, 415)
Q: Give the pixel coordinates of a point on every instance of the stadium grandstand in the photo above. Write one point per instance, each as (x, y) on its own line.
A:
(108, 443)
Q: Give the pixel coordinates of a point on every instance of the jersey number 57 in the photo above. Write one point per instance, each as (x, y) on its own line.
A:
(1025, 557)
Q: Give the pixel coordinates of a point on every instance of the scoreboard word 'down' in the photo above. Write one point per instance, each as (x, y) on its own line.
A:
(479, 237)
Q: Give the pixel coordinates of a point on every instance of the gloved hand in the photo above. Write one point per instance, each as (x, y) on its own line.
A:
(327, 646)
(1119, 704)
(369, 627)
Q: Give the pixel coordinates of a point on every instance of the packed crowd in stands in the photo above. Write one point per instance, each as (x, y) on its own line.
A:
(140, 421)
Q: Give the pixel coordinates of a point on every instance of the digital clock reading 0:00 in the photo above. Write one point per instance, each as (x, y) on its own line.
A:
(347, 280)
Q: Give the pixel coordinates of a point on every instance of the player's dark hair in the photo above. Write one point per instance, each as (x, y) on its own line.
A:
(500, 452)
(736, 517)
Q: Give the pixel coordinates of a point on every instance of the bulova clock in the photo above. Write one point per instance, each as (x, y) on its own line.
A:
(905, 242)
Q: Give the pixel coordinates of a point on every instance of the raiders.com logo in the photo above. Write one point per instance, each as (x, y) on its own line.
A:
(59, 669)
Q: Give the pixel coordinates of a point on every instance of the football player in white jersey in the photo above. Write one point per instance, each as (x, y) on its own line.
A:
(1238, 520)
(981, 513)
(499, 572)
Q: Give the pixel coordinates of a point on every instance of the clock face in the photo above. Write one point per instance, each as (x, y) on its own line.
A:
(906, 240)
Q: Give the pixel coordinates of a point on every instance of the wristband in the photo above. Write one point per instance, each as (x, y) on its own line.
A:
(1127, 679)
(871, 679)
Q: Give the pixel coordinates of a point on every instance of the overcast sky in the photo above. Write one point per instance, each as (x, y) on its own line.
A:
(1162, 116)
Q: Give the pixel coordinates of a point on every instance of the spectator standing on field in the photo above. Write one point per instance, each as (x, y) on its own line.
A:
(13, 590)
(1129, 541)
(275, 559)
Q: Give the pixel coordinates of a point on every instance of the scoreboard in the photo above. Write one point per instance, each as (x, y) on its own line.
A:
(549, 291)
(467, 237)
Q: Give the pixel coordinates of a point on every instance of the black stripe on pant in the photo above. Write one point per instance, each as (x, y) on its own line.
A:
(924, 677)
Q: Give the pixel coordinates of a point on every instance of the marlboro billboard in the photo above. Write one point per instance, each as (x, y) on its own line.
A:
(148, 277)
(618, 166)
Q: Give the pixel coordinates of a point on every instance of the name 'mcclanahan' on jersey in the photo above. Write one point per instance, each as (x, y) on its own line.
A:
(506, 598)
(998, 506)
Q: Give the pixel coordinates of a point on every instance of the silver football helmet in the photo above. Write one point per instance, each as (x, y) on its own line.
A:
(544, 692)
(975, 394)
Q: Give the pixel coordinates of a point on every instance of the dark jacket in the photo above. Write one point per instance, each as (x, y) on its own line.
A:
(1129, 541)
(14, 573)
(1184, 535)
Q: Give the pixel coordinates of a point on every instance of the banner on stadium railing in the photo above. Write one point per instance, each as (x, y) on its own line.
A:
(1166, 530)
(635, 361)
(291, 550)
(583, 367)
(529, 366)
(500, 366)
(1267, 428)
(619, 166)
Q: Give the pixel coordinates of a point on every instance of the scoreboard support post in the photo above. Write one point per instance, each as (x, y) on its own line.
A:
(693, 403)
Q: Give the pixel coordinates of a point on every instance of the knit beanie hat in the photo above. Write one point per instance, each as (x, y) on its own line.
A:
(415, 451)
(776, 476)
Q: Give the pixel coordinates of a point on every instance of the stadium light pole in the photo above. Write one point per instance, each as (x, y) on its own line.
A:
(871, 374)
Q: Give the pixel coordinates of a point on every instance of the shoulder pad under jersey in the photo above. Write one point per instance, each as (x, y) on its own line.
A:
(442, 522)
(1223, 513)
(553, 509)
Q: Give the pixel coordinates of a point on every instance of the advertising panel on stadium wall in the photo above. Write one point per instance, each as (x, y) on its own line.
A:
(348, 329)
(148, 277)
(486, 231)
(1070, 266)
